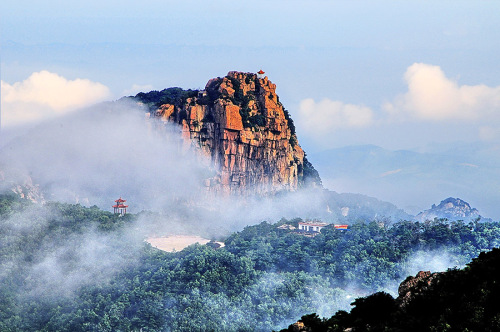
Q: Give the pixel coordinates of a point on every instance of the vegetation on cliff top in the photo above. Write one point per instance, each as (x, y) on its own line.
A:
(174, 96)
(178, 96)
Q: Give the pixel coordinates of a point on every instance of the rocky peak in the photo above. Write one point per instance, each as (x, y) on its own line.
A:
(240, 124)
(451, 209)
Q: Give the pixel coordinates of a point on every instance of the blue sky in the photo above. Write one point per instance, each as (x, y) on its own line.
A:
(398, 74)
(352, 52)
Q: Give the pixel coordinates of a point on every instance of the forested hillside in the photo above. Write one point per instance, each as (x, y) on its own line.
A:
(456, 300)
(70, 268)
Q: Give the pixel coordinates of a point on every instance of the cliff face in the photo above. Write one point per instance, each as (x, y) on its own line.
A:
(240, 124)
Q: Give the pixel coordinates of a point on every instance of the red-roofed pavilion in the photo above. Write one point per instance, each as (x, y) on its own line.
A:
(119, 207)
(260, 74)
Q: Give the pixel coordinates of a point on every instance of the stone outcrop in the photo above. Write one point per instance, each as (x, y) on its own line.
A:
(415, 286)
(240, 124)
(22, 186)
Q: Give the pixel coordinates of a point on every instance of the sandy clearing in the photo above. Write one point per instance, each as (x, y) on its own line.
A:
(176, 242)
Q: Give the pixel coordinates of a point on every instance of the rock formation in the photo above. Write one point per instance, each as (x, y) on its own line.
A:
(239, 123)
(415, 286)
(22, 185)
(451, 209)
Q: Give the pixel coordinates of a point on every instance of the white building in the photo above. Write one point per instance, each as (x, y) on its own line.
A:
(311, 226)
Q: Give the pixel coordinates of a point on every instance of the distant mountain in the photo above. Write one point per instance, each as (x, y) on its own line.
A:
(414, 179)
(451, 209)
(348, 207)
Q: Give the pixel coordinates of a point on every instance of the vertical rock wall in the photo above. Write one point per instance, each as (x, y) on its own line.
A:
(239, 123)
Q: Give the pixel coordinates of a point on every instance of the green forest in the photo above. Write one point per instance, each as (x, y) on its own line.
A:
(66, 267)
(456, 300)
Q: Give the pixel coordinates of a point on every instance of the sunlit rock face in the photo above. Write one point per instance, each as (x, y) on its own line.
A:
(239, 123)
(413, 287)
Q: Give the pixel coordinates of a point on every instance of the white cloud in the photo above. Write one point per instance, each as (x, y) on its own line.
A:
(320, 118)
(434, 97)
(45, 94)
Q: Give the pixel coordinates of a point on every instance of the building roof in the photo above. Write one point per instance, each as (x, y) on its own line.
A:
(313, 223)
(120, 200)
(120, 206)
(261, 72)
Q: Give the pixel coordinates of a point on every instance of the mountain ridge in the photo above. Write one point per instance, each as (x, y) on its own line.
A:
(414, 179)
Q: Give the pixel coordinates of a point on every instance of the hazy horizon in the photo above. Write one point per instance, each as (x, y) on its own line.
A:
(414, 76)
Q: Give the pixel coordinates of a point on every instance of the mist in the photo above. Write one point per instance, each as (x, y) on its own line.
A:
(102, 152)
(434, 261)
(47, 257)
(97, 154)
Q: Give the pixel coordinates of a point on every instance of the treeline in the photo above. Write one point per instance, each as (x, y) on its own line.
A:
(456, 300)
(173, 96)
(368, 255)
(108, 279)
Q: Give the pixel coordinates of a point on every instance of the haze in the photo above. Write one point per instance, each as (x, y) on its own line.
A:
(413, 75)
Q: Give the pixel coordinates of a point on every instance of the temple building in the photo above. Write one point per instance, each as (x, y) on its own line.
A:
(311, 226)
(120, 208)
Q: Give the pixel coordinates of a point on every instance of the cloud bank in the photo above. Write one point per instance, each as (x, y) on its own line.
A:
(432, 96)
(319, 118)
(44, 94)
(101, 152)
(431, 99)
